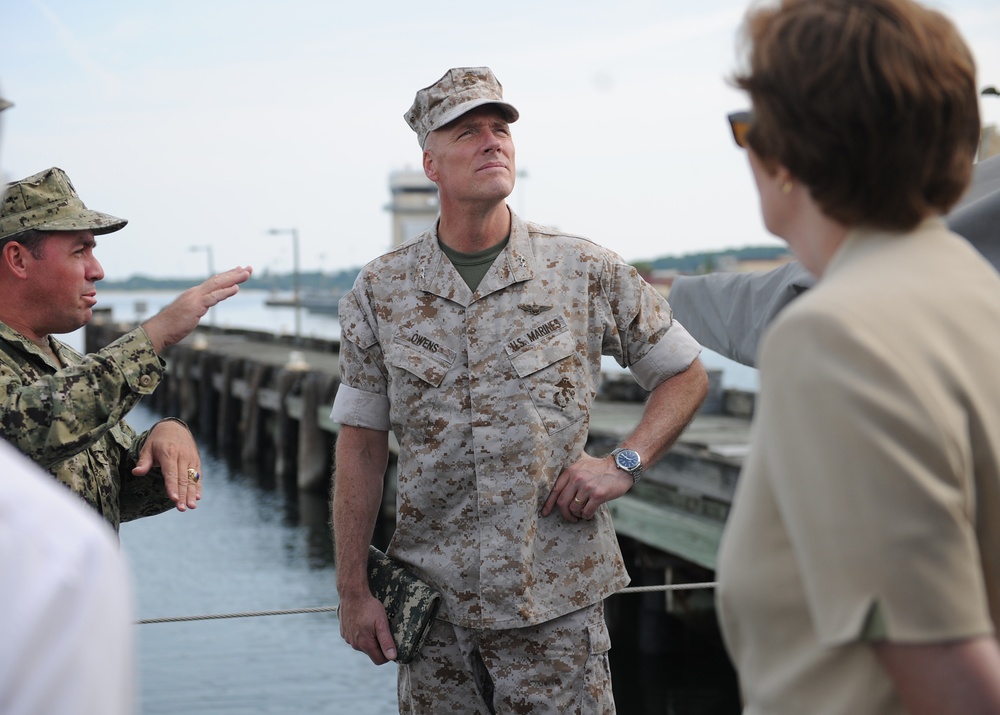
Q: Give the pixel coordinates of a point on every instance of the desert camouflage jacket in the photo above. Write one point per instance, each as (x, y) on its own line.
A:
(69, 418)
(489, 395)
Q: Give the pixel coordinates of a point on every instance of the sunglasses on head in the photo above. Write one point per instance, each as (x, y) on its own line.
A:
(740, 124)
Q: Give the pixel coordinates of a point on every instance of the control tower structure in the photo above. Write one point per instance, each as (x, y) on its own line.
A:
(414, 205)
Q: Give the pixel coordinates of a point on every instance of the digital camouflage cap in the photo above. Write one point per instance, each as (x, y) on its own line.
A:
(47, 201)
(460, 90)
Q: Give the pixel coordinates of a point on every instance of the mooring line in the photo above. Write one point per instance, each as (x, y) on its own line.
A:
(333, 609)
(249, 614)
(669, 587)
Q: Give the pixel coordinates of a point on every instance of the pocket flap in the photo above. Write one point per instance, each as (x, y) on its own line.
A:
(543, 353)
(600, 638)
(427, 359)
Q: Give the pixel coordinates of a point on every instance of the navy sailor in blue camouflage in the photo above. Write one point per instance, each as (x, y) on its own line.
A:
(479, 345)
(65, 410)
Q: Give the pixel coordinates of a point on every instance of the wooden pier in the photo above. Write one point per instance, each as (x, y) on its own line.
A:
(267, 398)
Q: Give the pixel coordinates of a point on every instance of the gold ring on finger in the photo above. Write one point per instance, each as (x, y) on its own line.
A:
(194, 476)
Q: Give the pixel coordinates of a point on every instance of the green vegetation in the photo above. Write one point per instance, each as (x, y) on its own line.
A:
(280, 282)
(706, 262)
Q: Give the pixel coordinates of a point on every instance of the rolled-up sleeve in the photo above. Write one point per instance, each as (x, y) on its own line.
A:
(362, 397)
(672, 355)
(360, 409)
(649, 342)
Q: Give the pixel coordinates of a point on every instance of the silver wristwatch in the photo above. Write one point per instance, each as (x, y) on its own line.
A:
(629, 461)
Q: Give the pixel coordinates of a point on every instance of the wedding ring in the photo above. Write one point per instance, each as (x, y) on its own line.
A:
(578, 501)
(194, 476)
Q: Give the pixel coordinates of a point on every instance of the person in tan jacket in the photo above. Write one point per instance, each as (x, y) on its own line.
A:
(859, 571)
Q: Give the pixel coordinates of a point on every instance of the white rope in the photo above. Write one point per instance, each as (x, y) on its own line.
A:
(333, 609)
(250, 614)
(671, 587)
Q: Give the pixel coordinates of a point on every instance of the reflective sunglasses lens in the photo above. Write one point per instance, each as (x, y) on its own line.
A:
(740, 123)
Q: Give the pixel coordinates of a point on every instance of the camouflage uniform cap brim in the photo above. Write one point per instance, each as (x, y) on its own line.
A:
(47, 201)
(460, 90)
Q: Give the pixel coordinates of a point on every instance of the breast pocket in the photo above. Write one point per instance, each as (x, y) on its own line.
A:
(420, 357)
(552, 374)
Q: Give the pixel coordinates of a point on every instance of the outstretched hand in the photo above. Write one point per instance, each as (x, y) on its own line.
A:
(177, 320)
(171, 446)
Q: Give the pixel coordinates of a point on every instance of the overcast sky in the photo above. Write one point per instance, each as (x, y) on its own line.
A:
(208, 122)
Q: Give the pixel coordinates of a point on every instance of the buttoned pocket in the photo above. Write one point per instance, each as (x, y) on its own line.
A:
(598, 696)
(421, 356)
(354, 323)
(552, 374)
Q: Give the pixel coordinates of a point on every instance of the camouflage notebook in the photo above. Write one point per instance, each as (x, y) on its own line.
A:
(410, 604)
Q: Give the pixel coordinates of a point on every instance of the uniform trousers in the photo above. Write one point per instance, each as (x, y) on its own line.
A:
(559, 666)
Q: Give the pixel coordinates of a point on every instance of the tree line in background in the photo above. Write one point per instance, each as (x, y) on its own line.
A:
(341, 281)
(276, 282)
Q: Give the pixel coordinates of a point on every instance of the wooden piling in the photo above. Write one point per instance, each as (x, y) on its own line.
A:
(286, 427)
(228, 417)
(315, 444)
(252, 414)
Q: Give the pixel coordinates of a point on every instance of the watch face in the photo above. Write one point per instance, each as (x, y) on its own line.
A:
(627, 459)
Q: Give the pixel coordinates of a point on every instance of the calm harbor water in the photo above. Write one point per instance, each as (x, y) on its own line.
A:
(252, 545)
(249, 546)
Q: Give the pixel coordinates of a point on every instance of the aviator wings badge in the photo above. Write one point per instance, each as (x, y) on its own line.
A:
(533, 309)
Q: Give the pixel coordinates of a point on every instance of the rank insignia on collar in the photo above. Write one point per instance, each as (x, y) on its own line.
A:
(533, 309)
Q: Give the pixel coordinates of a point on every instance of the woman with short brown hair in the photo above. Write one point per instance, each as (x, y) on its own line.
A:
(860, 568)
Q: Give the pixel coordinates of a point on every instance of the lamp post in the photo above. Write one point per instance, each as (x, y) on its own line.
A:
(211, 272)
(989, 140)
(295, 277)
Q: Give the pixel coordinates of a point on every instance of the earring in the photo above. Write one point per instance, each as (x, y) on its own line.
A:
(786, 187)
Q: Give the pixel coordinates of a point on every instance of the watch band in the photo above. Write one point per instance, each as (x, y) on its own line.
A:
(628, 461)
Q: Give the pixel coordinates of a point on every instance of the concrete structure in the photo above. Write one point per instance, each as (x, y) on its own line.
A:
(414, 205)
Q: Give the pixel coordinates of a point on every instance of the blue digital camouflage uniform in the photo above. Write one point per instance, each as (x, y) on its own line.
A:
(489, 396)
(69, 418)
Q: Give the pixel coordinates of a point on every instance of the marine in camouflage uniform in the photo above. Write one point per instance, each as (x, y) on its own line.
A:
(488, 385)
(65, 410)
(69, 418)
(489, 410)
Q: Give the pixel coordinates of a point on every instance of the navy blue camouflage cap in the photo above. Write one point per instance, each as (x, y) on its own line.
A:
(460, 90)
(47, 201)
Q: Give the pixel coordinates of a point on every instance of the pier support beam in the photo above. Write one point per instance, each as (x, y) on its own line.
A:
(315, 445)
(208, 398)
(253, 416)
(228, 426)
(285, 426)
(187, 392)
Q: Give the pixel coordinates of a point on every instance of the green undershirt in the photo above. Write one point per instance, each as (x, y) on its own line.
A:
(473, 266)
